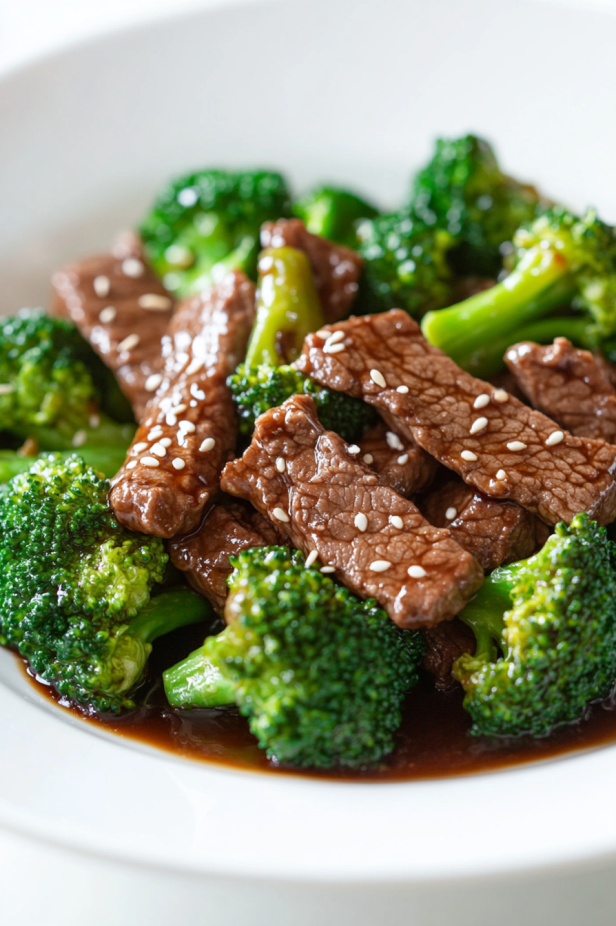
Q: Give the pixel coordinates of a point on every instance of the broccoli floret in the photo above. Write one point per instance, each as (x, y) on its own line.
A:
(320, 674)
(464, 191)
(405, 265)
(53, 386)
(76, 588)
(546, 635)
(560, 261)
(206, 223)
(333, 213)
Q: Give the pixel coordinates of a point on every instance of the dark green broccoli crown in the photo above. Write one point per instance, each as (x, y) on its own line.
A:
(255, 391)
(206, 222)
(333, 213)
(71, 580)
(405, 265)
(558, 636)
(463, 190)
(320, 674)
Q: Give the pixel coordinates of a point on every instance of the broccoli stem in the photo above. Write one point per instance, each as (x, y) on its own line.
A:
(484, 615)
(105, 460)
(198, 681)
(288, 308)
(169, 611)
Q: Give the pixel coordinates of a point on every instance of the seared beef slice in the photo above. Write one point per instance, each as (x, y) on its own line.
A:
(121, 308)
(497, 444)
(336, 269)
(327, 501)
(398, 461)
(173, 465)
(444, 644)
(567, 384)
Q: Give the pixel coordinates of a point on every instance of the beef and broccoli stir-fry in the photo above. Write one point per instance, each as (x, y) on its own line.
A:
(357, 450)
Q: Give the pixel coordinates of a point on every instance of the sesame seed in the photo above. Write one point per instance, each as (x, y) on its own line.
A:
(208, 444)
(281, 464)
(396, 521)
(402, 389)
(194, 366)
(324, 334)
(138, 448)
(451, 513)
(79, 438)
(152, 462)
(326, 570)
(361, 522)
(555, 438)
(281, 515)
(196, 392)
(333, 348)
(108, 314)
(482, 400)
(353, 449)
(501, 474)
(335, 337)
(155, 433)
(312, 558)
(178, 463)
(478, 425)
(416, 572)
(94, 421)
(516, 445)
(171, 419)
(187, 426)
(153, 382)
(403, 459)
(158, 450)
(6, 388)
(368, 458)
(500, 395)
(468, 455)
(129, 342)
(393, 441)
(101, 286)
(380, 565)
(131, 267)
(154, 302)
(165, 442)
(178, 409)
(131, 465)
(377, 377)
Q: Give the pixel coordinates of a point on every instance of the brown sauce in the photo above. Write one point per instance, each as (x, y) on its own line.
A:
(433, 741)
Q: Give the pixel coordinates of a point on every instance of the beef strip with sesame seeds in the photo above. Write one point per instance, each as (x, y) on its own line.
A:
(228, 528)
(122, 309)
(496, 443)
(336, 269)
(568, 385)
(173, 465)
(495, 532)
(325, 499)
(399, 462)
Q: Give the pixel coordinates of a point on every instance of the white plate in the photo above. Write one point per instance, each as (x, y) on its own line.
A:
(344, 91)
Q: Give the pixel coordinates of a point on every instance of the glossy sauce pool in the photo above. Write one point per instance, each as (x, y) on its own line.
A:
(433, 741)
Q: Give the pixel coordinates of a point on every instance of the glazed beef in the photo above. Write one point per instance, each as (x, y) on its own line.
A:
(567, 384)
(498, 445)
(495, 532)
(173, 465)
(398, 461)
(444, 644)
(228, 528)
(122, 309)
(328, 502)
(336, 269)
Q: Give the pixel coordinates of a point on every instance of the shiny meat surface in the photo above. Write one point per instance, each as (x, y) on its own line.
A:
(398, 461)
(329, 502)
(173, 465)
(497, 444)
(495, 532)
(122, 309)
(336, 269)
(228, 528)
(567, 384)
(444, 644)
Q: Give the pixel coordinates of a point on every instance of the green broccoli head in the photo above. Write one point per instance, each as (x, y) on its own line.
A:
(405, 265)
(256, 390)
(546, 635)
(206, 223)
(75, 586)
(464, 191)
(320, 674)
(333, 213)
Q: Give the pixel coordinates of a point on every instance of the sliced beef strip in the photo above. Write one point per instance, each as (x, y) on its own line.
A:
(227, 529)
(495, 532)
(336, 269)
(568, 385)
(173, 465)
(122, 309)
(328, 501)
(445, 643)
(398, 461)
(520, 454)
